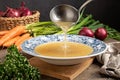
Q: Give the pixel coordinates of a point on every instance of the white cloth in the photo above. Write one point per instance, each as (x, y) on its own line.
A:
(110, 60)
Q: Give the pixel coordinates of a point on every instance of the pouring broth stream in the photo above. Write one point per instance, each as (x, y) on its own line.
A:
(64, 26)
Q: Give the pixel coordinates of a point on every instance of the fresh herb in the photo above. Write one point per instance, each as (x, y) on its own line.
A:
(16, 67)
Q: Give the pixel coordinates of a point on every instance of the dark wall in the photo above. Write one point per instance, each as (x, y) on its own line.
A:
(107, 11)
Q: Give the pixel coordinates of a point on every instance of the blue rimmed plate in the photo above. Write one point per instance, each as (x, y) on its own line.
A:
(98, 46)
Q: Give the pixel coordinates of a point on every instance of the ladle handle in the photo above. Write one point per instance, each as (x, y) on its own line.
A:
(83, 5)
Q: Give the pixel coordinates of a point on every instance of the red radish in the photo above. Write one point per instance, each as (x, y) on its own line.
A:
(86, 32)
(12, 12)
(101, 33)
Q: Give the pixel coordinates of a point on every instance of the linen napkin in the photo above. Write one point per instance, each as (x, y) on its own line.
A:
(110, 60)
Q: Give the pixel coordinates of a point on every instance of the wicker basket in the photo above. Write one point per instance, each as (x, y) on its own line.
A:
(9, 23)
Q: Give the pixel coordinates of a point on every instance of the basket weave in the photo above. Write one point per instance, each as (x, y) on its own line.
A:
(9, 23)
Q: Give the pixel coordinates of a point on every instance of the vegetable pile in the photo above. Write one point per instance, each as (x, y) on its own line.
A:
(100, 33)
(16, 36)
(16, 67)
(87, 26)
(16, 12)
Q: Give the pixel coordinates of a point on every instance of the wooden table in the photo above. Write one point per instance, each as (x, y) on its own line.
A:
(91, 73)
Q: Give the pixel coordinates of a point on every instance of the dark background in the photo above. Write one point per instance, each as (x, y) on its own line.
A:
(107, 11)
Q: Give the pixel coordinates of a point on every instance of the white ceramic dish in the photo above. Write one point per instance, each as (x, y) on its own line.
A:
(98, 46)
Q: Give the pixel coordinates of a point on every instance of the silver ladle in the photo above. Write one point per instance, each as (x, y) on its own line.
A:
(66, 13)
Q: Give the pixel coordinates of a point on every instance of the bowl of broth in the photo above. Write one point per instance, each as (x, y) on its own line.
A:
(54, 50)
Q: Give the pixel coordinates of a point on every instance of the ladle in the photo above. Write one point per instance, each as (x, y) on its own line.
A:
(66, 13)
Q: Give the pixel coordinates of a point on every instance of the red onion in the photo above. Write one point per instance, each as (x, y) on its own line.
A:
(101, 33)
(24, 11)
(86, 32)
(1, 13)
(12, 12)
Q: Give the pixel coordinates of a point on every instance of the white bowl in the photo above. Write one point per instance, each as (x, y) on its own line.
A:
(98, 46)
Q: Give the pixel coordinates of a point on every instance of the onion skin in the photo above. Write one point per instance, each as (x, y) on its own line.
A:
(86, 32)
(16, 12)
(12, 12)
(2, 13)
(100, 33)
(24, 11)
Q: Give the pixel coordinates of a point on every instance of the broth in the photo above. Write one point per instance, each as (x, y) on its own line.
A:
(64, 25)
(57, 49)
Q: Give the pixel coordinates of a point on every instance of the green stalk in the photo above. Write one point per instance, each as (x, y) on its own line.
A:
(94, 27)
(74, 32)
(37, 24)
(90, 22)
(82, 23)
(94, 23)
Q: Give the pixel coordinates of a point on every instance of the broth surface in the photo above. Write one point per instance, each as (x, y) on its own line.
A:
(57, 49)
(64, 25)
